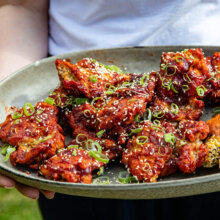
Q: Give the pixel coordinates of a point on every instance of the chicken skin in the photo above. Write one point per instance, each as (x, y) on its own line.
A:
(35, 133)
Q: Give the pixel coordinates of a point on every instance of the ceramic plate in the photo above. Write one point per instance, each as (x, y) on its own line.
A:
(32, 84)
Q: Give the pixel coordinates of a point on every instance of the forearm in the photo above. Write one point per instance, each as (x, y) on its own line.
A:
(24, 35)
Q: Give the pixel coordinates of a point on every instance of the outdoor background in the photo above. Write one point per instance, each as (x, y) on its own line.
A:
(14, 206)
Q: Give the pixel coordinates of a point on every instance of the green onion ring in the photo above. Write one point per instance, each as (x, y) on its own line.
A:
(144, 79)
(87, 113)
(166, 84)
(173, 72)
(93, 146)
(4, 149)
(174, 108)
(17, 115)
(98, 98)
(136, 118)
(173, 88)
(72, 146)
(163, 66)
(101, 171)
(148, 111)
(126, 177)
(50, 100)
(98, 156)
(158, 114)
(102, 180)
(170, 138)
(45, 139)
(185, 88)
(201, 90)
(8, 153)
(26, 112)
(74, 152)
(148, 166)
(143, 141)
(93, 78)
(160, 152)
(179, 59)
(77, 138)
(135, 131)
(37, 119)
(186, 78)
(100, 133)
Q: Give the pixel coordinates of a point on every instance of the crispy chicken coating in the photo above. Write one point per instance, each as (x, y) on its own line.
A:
(70, 165)
(213, 143)
(147, 151)
(36, 136)
(191, 150)
(88, 77)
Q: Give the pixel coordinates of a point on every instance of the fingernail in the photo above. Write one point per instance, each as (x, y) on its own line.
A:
(36, 198)
(8, 187)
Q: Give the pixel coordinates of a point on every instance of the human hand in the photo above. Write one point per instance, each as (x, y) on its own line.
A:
(28, 191)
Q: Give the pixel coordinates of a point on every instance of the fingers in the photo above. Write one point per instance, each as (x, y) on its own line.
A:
(27, 191)
(48, 194)
(6, 182)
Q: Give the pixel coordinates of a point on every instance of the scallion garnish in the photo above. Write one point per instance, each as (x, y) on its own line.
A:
(170, 138)
(102, 180)
(126, 177)
(50, 100)
(179, 59)
(186, 78)
(158, 114)
(141, 140)
(87, 113)
(101, 171)
(166, 83)
(173, 88)
(37, 119)
(17, 115)
(147, 167)
(98, 156)
(93, 145)
(26, 110)
(185, 88)
(144, 79)
(135, 131)
(147, 114)
(97, 99)
(45, 139)
(72, 146)
(80, 101)
(201, 90)
(100, 133)
(171, 67)
(136, 118)
(82, 136)
(174, 108)
(10, 149)
(93, 78)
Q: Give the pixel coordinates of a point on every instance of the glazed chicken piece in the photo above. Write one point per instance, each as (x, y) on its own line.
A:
(183, 74)
(213, 143)
(190, 108)
(147, 151)
(191, 150)
(35, 133)
(71, 165)
(88, 77)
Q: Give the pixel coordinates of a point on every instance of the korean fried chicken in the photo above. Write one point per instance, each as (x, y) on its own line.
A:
(71, 165)
(147, 151)
(88, 77)
(35, 133)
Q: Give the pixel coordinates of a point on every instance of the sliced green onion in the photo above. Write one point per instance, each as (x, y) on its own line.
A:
(72, 146)
(114, 68)
(157, 122)
(74, 152)
(170, 138)
(45, 139)
(93, 78)
(98, 156)
(166, 83)
(126, 177)
(8, 153)
(147, 167)
(131, 100)
(87, 113)
(156, 125)
(174, 67)
(148, 111)
(80, 101)
(101, 171)
(58, 102)
(59, 150)
(159, 151)
(172, 87)
(216, 110)
(186, 78)
(144, 79)
(158, 114)
(100, 133)
(182, 142)
(40, 111)
(26, 111)
(96, 99)
(81, 135)
(4, 149)
(37, 119)
(201, 90)
(102, 180)
(17, 115)
(93, 146)
(174, 108)
(135, 131)
(17, 121)
(185, 88)
(50, 100)
(141, 140)
(136, 118)
(179, 59)
(163, 66)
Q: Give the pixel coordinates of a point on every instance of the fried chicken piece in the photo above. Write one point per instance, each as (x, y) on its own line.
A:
(87, 77)
(147, 151)
(70, 165)
(213, 143)
(191, 109)
(191, 150)
(36, 136)
(183, 74)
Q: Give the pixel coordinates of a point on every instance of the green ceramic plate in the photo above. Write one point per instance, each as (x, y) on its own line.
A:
(32, 84)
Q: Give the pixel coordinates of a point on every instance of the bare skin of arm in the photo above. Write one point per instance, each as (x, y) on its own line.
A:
(23, 40)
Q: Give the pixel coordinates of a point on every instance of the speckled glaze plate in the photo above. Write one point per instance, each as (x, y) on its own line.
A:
(32, 84)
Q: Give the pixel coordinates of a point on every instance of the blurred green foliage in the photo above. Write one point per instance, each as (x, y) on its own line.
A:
(14, 206)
